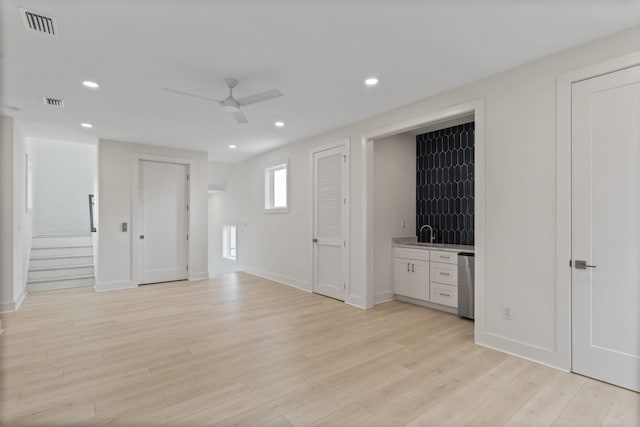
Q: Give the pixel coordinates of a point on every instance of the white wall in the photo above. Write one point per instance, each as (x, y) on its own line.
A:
(520, 200)
(264, 239)
(15, 222)
(6, 214)
(394, 201)
(218, 174)
(63, 178)
(114, 268)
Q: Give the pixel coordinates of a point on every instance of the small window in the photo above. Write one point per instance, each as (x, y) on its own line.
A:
(276, 189)
(229, 242)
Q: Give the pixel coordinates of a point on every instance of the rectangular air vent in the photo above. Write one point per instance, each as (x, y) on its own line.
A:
(40, 23)
(53, 102)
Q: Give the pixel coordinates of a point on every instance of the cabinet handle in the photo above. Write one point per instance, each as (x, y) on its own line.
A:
(412, 266)
(444, 274)
(444, 295)
(408, 268)
(444, 257)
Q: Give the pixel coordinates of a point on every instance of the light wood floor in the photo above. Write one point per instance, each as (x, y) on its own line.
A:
(241, 350)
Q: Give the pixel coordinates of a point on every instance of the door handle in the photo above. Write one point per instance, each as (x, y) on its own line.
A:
(408, 268)
(142, 237)
(412, 268)
(582, 265)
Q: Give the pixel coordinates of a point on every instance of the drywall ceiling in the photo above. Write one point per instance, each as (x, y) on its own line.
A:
(317, 52)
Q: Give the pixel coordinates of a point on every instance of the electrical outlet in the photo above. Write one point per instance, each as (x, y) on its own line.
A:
(507, 314)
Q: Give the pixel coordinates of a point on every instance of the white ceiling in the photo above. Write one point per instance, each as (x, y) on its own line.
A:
(316, 52)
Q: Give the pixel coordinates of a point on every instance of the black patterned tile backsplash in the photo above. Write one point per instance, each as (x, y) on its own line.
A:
(444, 184)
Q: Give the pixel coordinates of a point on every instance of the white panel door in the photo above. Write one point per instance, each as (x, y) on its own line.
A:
(163, 222)
(606, 228)
(329, 222)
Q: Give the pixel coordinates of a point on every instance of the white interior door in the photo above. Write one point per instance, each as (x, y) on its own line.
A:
(606, 228)
(330, 180)
(163, 214)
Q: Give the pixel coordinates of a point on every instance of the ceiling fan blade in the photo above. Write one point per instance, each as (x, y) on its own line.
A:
(240, 117)
(190, 95)
(259, 97)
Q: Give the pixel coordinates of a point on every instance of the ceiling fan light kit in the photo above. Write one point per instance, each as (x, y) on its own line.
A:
(231, 104)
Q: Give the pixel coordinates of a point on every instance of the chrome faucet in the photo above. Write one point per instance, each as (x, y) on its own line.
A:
(430, 228)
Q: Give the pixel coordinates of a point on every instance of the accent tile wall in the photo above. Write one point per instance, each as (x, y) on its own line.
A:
(444, 184)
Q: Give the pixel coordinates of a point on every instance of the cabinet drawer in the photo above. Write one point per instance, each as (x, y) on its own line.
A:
(444, 273)
(444, 256)
(444, 294)
(419, 254)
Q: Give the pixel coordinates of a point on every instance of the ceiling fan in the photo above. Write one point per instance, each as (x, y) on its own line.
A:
(231, 104)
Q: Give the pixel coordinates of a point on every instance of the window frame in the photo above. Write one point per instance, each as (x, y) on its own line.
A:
(226, 251)
(269, 196)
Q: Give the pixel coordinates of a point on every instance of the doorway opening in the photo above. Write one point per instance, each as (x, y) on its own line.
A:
(405, 225)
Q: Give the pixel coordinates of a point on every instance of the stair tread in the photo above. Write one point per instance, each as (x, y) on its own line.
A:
(61, 279)
(60, 257)
(61, 247)
(48, 236)
(60, 267)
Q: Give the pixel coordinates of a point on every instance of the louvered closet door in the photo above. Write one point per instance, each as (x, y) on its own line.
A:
(329, 247)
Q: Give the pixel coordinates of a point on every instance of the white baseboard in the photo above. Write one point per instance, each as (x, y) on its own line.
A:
(20, 299)
(383, 297)
(427, 304)
(355, 302)
(298, 284)
(548, 365)
(114, 286)
(199, 276)
(10, 306)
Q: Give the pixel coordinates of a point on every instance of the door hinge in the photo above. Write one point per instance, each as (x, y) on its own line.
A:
(187, 237)
(187, 177)
(569, 263)
(345, 243)
(345, 201)
(187, 206)
(344, 157)
(187, 267)
(344, 285)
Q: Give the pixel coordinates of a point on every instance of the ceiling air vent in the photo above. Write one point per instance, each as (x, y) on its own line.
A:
(40, 23)
(53, 102)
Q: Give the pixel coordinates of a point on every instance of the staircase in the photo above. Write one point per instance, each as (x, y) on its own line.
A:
(60, 261)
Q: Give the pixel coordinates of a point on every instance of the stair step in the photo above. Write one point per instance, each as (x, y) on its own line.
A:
(60, 261)
(58, 272)
(50, 251)
(61, 240)
(61, 247)
(57, 257)
(58, 279)
(58, 236)
(60, 267)
(60, 283)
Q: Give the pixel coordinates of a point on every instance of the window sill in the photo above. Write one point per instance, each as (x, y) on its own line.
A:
(276, 210)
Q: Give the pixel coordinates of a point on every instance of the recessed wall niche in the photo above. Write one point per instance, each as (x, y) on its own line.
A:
(445, 183)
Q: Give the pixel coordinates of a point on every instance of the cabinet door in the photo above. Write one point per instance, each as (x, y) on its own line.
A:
(403, 277)
(420, 270)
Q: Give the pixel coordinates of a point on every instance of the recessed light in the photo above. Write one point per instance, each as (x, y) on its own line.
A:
(279, 124)
(232, 146)
(86, 125)
(90, 84)
(371, 81)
